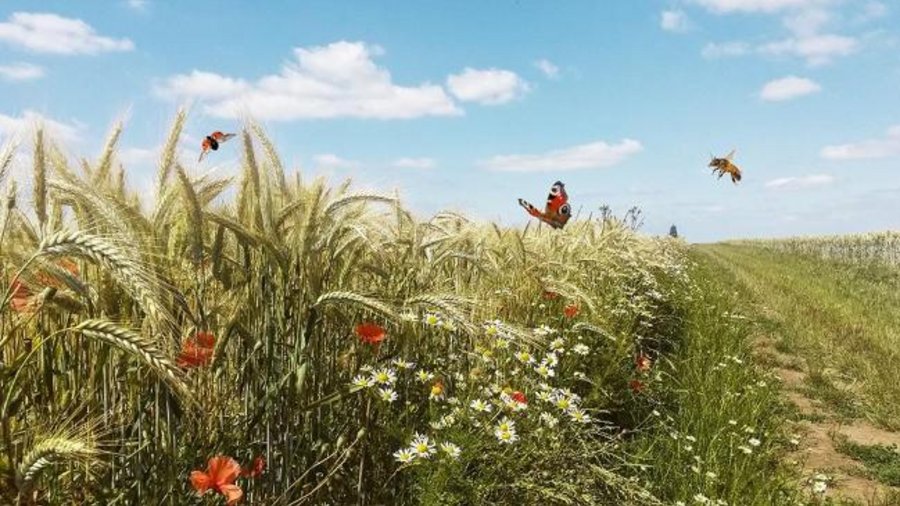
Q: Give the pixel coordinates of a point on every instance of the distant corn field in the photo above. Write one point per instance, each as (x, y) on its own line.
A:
(337, 349)
(874, 247)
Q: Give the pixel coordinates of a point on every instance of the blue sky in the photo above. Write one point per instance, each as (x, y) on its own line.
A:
(469, 105)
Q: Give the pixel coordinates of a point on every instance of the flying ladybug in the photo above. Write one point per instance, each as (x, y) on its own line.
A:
(557, 212)
(212, 141)
(726, 166)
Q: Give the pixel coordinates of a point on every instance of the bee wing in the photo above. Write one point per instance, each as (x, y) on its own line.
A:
(225, 137)
(729, 156)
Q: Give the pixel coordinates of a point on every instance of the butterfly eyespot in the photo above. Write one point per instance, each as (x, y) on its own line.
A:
(565, 210)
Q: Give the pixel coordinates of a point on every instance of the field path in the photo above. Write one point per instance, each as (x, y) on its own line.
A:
(831, 333)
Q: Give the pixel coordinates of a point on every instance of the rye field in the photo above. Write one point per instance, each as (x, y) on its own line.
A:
(268, 339)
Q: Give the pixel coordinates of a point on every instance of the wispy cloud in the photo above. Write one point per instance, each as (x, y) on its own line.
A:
(332, 161)
(138, 5)
(788, 88)
(337, 80)
(674, 21)
(798, 182)
(885, 147)
(414, 163)
(25, 124)
(594, 155)
(489, 86)
(51, 33)
(715, 50)
(767, 6)
(21, 72)
(547, 67)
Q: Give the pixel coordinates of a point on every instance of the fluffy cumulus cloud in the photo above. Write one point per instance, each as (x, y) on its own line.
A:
(51, 33)
(414, 163)
(884, 147)
(593, 155)
(21, 72)
(797, 182)
(788, 88)
(489, 86)
(24, 125)
(714, 50)
(674, 21)
(337, 80)
(547, 67)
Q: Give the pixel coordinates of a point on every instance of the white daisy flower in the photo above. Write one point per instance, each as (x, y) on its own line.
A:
(422, 446)
(424, 376)
(549, 420)
(384, 376)
(581, 349)
(545, 371)
(404, 456)
(363, 381)
(387, 395)
(399, 363)
(451, 450)
(558, 344)
(524, 357)
(481, 406)
(432, 320)
(754, 442)
(577, 415)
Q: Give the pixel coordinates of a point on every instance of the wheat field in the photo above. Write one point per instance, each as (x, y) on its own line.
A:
(329, 346)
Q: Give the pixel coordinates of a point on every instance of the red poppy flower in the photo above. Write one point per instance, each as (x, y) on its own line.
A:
(519, 397)
(370, 333)
(221, 471)
(550, 295)
(47, 279)
(571, 310)
(197, 351)
(642, 362)
(259, 465)
(21, 297)
(636, 385)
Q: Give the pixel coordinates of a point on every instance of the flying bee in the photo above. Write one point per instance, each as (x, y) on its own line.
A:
(726, 166)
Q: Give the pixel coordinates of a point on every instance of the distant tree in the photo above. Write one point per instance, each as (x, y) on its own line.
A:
(673, 232)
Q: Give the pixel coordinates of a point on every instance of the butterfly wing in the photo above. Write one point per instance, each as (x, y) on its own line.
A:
(530, 209)
(558, 211)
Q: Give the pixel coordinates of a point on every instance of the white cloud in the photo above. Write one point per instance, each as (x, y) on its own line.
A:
(24, 126)
(816, 49)
(788, 88)
(137, 156)
(593, 155)
(414, 163)
(813, 180)
(714, 50)
(337, 80)
(674, 21)
(21, 72)
(547, 67)
(50, 33)
(138, 5)
(765, 6)
(332, 161)
(490, 86)
(886, 147)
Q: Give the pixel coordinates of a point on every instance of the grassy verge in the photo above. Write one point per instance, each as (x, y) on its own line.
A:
(715, 432)
(841, 318)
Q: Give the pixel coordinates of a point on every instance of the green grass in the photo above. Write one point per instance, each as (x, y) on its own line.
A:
(721, 413)
(840, 318)
(882, 462)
